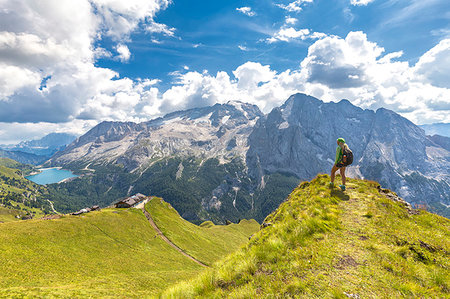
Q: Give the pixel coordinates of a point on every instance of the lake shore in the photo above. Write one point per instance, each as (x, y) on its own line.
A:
(39, 170)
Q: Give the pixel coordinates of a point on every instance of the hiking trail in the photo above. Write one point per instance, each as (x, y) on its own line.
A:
(162, 236)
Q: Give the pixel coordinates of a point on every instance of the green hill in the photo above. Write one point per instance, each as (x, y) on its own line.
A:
(324, 243)
(107, 253)
(207, 242)
(19, 197)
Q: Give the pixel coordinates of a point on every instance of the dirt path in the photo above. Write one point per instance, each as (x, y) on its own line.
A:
(160, 233)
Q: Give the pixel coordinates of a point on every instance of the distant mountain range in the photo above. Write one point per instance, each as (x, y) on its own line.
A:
(231, 161)
(442, 129)
(46, 146)
(36, 151)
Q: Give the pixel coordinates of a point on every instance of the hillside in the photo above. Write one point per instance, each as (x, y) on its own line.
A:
(19, 197)
(322, 242)
(107, 253)
(207, 242)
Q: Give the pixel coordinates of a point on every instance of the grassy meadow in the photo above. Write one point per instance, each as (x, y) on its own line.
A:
(325, 243)
(107, 253)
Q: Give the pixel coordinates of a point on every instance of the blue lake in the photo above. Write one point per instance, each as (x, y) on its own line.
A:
(50, 176)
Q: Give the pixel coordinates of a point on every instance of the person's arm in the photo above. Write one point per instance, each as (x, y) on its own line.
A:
(338, 155)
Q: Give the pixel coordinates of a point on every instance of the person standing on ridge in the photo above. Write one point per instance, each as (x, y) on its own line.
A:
(339, 163)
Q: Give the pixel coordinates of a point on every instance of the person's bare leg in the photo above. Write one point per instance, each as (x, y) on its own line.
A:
(342, 171)
(333, 172)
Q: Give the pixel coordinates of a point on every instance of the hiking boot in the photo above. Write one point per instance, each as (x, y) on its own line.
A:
(342, 187)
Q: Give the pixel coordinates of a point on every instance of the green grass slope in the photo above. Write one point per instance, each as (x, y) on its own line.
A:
(207, 242)
(19, 196)
(324, 243)
(26, 169)
(107, 253)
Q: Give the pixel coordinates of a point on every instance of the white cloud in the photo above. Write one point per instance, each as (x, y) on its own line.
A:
(287, 34)
(290, 21)
(295, 6)
(120, 18)
(246, 11)
(360, 2)
(124, 52)
(47, 57)
(242, 48)
(354, 68)
(434, 66)
(160, 28)
(13, 78)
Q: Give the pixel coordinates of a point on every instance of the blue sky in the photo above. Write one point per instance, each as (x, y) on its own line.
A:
(67, 65)
(208, 34)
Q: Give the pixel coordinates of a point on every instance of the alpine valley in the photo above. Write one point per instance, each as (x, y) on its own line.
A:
(230, 161)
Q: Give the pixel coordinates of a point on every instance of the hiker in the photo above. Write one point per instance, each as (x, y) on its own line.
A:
(339, 163)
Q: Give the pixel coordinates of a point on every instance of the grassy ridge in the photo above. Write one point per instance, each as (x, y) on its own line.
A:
(107, 253)
(208, 242)
(326, 243)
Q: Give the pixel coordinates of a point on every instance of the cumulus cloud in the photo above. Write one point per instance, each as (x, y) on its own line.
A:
(120, 18)
(434, 66)
(47, 56)
(124, 52)
(356, 69)
(341, 63)
(360, 2)
(295, 6)
(246, 11)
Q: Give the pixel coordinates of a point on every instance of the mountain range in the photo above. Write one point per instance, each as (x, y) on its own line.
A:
(230, 161)
(442, 129)
(44, 147)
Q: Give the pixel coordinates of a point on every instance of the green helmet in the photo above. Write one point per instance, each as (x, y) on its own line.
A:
(341, 140)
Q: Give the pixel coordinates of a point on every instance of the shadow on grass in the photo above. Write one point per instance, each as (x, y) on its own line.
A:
(340, 194)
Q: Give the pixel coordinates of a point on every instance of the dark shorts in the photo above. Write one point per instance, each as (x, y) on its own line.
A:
(340, 165)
